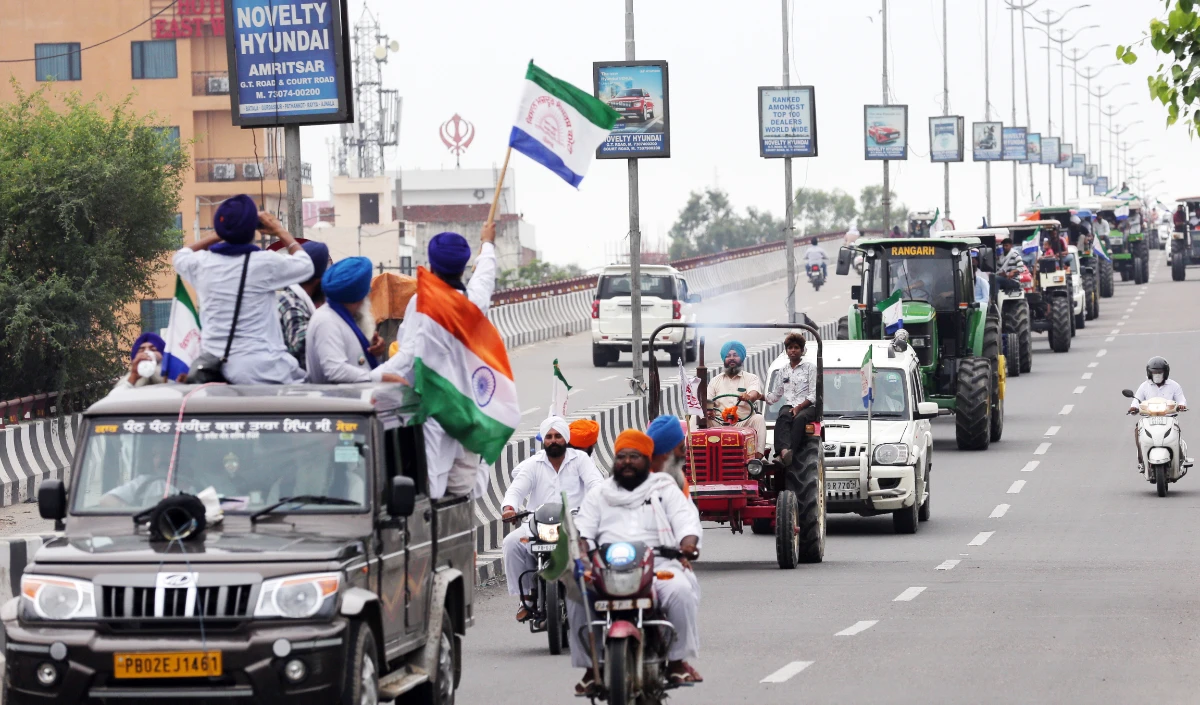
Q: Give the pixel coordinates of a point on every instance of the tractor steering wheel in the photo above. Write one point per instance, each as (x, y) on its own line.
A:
(721, 420)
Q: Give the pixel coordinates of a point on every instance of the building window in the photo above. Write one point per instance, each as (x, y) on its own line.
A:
(156, 314)
(368, 208)
(170, 136)
(179, 221)
(56, 62)
(406, 265)
(154, 59)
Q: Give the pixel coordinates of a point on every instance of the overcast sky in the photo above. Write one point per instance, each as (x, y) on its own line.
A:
(469, 56)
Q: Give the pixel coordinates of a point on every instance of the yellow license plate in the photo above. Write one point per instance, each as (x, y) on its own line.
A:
(174, 664)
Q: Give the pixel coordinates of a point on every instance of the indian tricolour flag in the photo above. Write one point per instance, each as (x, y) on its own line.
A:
(892, 309)
(560, 126)
(461, 370)
(559, 391)
(183, 334)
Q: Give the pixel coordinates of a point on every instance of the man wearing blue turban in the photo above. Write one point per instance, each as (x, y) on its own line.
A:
(298, 302)
(342, 344)
(214, 267)
(738, 390)
(148, 349)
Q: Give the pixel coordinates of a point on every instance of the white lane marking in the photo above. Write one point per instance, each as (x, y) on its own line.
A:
(1079, 390)
(1041, 449)
(580, 389)
(1101, 352)
(909, 594)
(1119, 323)
(1087, 375)
(1109, 339)
(1133, 303)
(1125, 318)
(1031, 466)
(787, 672)
(861, 626)
(527, 412)
(1116, 331)
(1066, 409)
(1015, 488)
(1093, 364)
(836, 297)
(948, 565)
(999, 511)
(822, 303)
(1129, 310)
(605, 379)
(981, 538)
(1052, 430)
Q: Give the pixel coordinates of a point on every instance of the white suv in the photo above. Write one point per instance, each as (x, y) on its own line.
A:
(897, 481)
(665, 298)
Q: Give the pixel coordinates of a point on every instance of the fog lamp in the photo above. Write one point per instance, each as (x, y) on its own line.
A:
(295, 670)
(47, 674)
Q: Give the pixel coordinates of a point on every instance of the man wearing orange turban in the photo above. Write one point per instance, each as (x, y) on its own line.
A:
(584, 433)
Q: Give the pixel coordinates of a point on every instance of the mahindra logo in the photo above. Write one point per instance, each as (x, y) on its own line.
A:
(177, 580)
(830, 446)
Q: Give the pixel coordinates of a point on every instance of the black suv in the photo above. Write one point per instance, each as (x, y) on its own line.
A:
(330, 577)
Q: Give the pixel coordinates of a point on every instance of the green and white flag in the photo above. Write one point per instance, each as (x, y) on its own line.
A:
(868, 377)
(566, 553)
(892, 309)
(559, 391)
(182, 337)
(937, 226)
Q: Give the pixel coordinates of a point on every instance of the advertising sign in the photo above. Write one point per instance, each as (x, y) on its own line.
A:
(946, 138)
(290, 62)
(986, 145)
(1101, 186)
(1033, 148)
(638, 90)
(1089, 174)
(1065, 154)
(1050, 153)
(190, 18)
(1077, 161)
(885, 132)
(787, 121)
(1014, 144)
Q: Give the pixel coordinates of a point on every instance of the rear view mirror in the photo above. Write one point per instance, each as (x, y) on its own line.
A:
(927, 410)
(52, 501)
(845, 259)
(1124, 393)
(403, 496)
(856, 292)
(694, 299)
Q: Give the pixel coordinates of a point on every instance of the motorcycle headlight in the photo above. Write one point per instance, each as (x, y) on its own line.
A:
(622, 583)
(297, 596)
(59, 598)
(547, 533)
(891, 454)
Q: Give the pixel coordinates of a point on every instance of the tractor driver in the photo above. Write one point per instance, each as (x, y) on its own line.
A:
(745, 386)
(1012, 266)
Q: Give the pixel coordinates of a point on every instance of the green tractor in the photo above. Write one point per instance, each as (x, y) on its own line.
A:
(956, 338)
(1093, 269)
(1126, 242)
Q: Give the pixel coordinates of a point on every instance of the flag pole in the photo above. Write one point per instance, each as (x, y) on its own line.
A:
(499, 186)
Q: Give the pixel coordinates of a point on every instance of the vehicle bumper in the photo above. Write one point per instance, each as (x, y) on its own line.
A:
(671, 336)
(251, 670)
(893, 488)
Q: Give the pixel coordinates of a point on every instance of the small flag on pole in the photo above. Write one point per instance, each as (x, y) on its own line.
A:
(868, 378)
(560, 126)
(689, 387)
(566, 555)
(183, 334)
(1033, 243)
(892, 309)
(560, 389)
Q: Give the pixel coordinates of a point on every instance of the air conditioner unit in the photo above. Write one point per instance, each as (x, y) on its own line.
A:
(224, 172)
(252, 170)
(218, 85)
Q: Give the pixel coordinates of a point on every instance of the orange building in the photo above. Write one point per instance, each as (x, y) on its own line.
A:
(174, 63)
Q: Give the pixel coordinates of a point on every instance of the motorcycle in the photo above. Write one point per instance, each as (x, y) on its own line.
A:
(815, 276)
(547, 603)
(1164, 453)
(636, 636)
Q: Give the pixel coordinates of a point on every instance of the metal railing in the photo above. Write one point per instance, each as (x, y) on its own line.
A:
(210, 83)
(211, 170)
(49, 404)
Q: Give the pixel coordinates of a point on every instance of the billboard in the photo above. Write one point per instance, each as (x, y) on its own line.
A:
(1089, 174)
(787, 121)
(639, 91)
(946, 138)
(288, 64)
(1033, 148)
(1065, 154)
(1014, 144)
(1050, 153)
(1101, 186)
(986, 145)
(885, 131)
(1077, 161)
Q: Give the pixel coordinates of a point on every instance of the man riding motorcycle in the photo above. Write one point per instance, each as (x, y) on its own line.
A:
(746, 386)
(1158, 384)
(543, 478)
(638, 505)
(815, 255)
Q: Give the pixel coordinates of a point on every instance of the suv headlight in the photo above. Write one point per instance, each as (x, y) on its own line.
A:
(297, 596)
(891, 454)
(547, 533)
(59, 598)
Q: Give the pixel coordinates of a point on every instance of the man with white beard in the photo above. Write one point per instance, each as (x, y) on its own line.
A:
(341, 340)
(670, 451)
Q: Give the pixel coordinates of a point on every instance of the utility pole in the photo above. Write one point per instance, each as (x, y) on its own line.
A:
(987, 110)
(789, 241)
(291, 170)
(1012, 53)
(1062, 66)
(1025, 77)
(635, 235)
(887, 193)
(945, 103)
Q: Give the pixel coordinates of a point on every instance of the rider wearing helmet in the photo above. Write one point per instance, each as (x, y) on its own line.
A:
(1158, 384)
(815, 255)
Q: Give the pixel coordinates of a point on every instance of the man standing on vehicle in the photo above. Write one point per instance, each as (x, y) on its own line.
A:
(342, 345)
(1012, 266)
(638, 505)
(1158, 384)
(298, 302)
(797, 387)
(540, 479)
(738, 389)
(815, 255)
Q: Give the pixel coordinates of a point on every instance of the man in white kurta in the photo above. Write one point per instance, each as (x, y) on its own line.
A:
(746, 389)
(539, 479)
(341, 342)
(453, 470)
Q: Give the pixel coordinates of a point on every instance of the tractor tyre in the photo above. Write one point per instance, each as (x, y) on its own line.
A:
(972, 412)
(1024, 332)
(1094, 300)
(761, 527)
(787, 533)
(1012, 354)
(1178, 267)
(806, 479)
(997, 422)
(1139, 270)
(1081, 317)
(843, 328)
(1060, 324)
(1106, 278)
(1090, 308)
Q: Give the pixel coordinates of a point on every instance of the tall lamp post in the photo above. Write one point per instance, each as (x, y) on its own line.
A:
(1116, 142)
(1012, 26)
(1075, 57)
(1062, 93)
(1110, 114)
(1100, 94)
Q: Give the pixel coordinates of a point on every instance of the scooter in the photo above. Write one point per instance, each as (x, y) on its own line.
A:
(1164, 453)
(815, 276)
(547, 603)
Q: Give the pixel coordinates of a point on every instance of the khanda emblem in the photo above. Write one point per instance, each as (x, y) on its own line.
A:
(457, 134)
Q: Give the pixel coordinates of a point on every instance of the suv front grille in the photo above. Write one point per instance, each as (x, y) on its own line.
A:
(118, 602)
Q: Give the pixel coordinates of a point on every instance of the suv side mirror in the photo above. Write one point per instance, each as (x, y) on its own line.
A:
(694, 299)
(927, 410)
(845, 259)
(402, 497)
(856, 292)
(52, 501)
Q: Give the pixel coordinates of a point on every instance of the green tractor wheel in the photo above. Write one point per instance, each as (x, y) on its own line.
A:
(1106, 278)
(991, 351)
(1090, 306)
(1060, 324)
(972, 404)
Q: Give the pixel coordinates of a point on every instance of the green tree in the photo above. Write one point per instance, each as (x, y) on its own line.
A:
(708, 224)
(824, 211)
(870, 209)
(1176, 82)
(88, 196)
(536, 272)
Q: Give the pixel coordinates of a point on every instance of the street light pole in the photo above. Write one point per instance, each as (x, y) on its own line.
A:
(789, 243)
(987, 110)
(887, 198)
(635, 234)
(945, 104)
(1015, 8)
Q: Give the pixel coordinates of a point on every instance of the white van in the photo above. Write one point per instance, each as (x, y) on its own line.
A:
(665, 298)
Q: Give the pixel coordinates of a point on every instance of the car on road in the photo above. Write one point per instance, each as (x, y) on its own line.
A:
(317, 569)
(883, 133)
(896, 480)
(665, 298)
(633, 104)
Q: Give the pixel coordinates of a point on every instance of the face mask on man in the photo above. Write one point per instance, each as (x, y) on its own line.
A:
(1157, 377)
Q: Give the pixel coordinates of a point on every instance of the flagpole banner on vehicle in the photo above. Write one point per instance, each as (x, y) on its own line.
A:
(1077, 165)
(986, 145)
(1014, 144)
(946, 138)
(1066, 154)
(290, 63)
(1050, 151)
(640, 92)
(1033, 148)
(787, 121)
(885, 132)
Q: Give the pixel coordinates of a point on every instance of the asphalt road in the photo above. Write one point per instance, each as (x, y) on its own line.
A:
(533, 364)
(1050, 571)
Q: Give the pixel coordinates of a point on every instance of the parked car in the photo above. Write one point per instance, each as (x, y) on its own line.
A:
(665, 298)
(633, 104)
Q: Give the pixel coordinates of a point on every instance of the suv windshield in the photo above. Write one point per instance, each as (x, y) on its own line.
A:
(921, 272)
(631, 93)
(843, 395)
(251, 461)
(658, 286)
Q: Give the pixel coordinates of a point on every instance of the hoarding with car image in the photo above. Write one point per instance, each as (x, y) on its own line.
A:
(1033, 148)
(1065, 154)
(639, 91)
(986, 145)
(946, 138)
(886, 131)
(1014, 144)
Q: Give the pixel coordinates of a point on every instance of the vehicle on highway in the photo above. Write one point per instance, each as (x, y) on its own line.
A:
(1090, 265)
(317, 569)
(633, 104)
(1185, 243)
(1164, 451)
(882, 133)
(919, 223)
(1016, 333)
(1079, 291)
(896, 479)
(547, 602)
(1126, 240)
(956, 338)
(731, 486)
(1049, 292)
(815, 276)
(665, 297)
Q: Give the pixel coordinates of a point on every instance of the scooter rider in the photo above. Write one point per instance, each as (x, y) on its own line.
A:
(1158, 384)
(815, 255)
(543, 478)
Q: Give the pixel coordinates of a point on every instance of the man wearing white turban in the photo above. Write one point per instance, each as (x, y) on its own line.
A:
(542, 478)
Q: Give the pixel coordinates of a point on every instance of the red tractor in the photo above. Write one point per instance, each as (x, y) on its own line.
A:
(730, 485)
